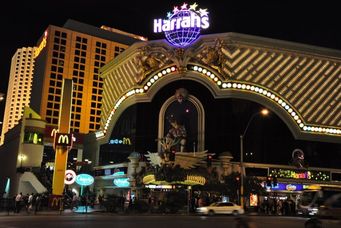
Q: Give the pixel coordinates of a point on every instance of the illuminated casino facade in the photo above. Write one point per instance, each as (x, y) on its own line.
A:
(300, 84)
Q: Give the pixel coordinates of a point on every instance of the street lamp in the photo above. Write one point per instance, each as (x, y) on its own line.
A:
(22, 157)
(263, 112)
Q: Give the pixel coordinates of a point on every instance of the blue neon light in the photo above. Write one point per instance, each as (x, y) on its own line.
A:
(84, 179)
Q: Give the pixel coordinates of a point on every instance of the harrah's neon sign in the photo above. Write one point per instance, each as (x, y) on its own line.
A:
(188, 20)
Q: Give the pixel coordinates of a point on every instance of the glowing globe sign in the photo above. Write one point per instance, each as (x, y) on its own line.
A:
(183, 26)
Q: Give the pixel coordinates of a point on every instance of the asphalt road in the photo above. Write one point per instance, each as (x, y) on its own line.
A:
(148, 221)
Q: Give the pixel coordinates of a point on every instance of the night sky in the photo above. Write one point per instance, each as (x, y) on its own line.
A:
(309, 22)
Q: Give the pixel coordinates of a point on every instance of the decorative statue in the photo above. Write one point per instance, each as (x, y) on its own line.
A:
(177, 133)
(298, 158)
(181, 94)
(148, 60)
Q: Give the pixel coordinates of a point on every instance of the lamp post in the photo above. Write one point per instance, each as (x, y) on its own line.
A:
(263, 112)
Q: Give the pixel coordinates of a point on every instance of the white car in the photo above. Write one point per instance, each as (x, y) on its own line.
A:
(221, 208)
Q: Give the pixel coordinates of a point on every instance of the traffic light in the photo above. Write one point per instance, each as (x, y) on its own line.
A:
(274, 181)
(268, 181)
(209, 160)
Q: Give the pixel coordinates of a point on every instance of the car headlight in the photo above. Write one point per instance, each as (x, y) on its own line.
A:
(202, 209)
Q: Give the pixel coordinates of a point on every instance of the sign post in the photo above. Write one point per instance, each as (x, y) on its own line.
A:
(62, 140)
(84, 180)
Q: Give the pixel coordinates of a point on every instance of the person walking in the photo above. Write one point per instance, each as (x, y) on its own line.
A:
(18, 202)
(37, 203)
(29, 203)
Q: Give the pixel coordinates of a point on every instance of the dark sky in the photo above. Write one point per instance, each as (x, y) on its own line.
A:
(309, 22)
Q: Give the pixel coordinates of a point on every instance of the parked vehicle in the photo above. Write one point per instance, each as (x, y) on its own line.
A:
(221, 208)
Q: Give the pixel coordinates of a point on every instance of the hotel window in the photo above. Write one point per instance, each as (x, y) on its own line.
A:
(59, 84)
(63, 34)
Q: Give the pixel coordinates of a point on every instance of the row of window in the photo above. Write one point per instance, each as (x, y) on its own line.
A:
(60, 34)
(52, 120)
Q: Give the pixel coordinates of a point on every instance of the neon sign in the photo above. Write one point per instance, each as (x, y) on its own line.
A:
(182, 27)
(84, 179)
(122, 182)
(119, 173)
(41, 46)
(286, 187)
(123, 141)
(189, 180)
(300, 174)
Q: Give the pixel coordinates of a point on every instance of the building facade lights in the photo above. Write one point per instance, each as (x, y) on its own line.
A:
(270, 95)
(139, 90)
(224, 85)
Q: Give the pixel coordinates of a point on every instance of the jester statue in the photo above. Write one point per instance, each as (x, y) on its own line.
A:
(173, 144)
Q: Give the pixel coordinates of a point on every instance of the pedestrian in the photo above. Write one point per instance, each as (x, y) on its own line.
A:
(100, 200)
(37, 203)
(18, 202)
(29, 203)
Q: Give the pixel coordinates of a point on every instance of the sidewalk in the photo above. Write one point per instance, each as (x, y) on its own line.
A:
(45, 212)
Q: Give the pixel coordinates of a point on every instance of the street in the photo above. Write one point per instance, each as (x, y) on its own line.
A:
(147, 221)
